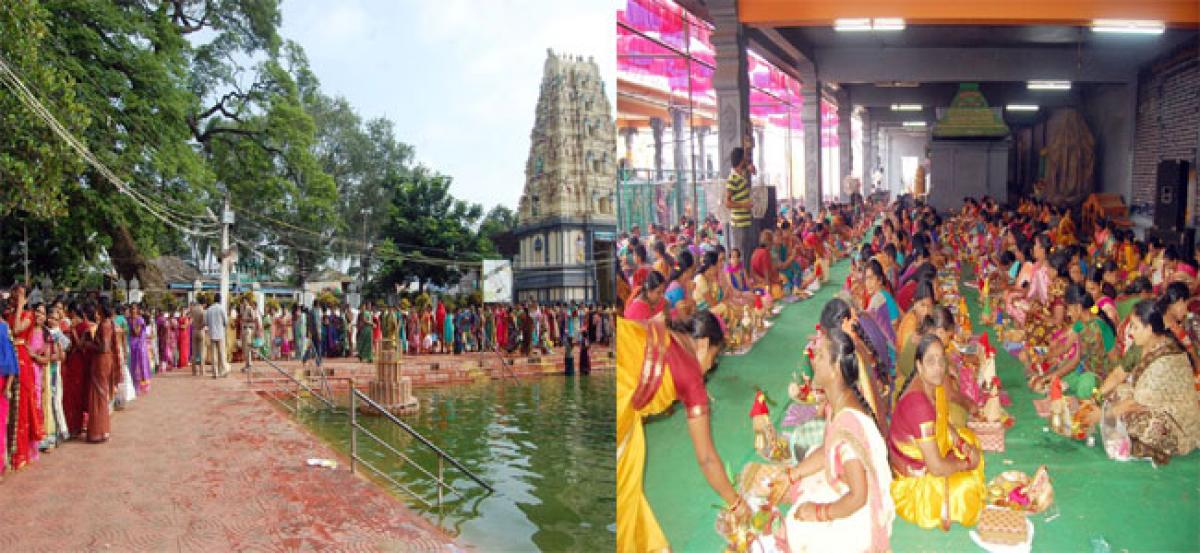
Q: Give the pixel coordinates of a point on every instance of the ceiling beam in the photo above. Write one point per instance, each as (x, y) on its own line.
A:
(925, 65)
(790, 13)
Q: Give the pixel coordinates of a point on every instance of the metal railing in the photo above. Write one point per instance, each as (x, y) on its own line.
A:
(505, 368)
(443, 457)
(326, 399)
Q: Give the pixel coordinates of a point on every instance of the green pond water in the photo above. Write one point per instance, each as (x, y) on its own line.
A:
(547, 446)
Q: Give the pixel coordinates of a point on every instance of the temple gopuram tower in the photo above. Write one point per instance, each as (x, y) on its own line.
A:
(566, 223)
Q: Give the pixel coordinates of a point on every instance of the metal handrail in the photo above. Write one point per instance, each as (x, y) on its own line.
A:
(356, 396)
(512, 372)
(327, 401)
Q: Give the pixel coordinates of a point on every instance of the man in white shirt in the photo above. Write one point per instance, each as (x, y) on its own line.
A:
(215, 320)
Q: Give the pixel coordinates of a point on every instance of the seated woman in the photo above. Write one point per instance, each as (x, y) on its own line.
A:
(962, 390)
(874, 350)
(1045, 310)
(938, 465)
(1104, 294)
(922, 304)
(1183, 324)
(996, 283)
(919, 259)
(736, 271)
(764, 276)
(844, 486)
(706, 289)
(1155, 400)
(1017, 302)
(656, 365)
(785, 255)
(647, 301)
(881, 304)
(662, 260)
(678, 294)
(1064, 234)
(887, 259)
(1082, 361)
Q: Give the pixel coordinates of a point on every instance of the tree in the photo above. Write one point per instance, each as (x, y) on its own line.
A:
(428, 231)
(496, 230)
(35, 166)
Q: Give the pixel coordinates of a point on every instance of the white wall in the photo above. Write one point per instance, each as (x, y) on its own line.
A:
(901, 144)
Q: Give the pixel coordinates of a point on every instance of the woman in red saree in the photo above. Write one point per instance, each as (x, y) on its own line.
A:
(105, 375)
(185, 339)
(29, 429)
(77, 369)
(939, 468)
(647, 300)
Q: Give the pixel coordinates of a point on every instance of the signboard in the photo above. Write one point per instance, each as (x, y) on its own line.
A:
(497, 281)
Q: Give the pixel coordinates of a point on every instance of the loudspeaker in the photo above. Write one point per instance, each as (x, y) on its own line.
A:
(1170, 194)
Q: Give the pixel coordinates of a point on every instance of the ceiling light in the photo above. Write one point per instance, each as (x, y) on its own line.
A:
(1049, 85)
(1129, 26)
(888, 24)
(915, 124)
(859, 24)
(867, 24)
(1021, 107)
(906, 107)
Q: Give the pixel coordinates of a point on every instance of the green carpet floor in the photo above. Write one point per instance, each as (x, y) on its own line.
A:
(1133, 506)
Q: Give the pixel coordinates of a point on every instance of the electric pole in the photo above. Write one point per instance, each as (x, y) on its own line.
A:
(226, 221)
(362, 263)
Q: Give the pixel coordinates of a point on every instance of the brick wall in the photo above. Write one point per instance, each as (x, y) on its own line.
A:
(1168, 119)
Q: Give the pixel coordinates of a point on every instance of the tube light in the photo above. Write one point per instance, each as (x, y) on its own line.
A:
(857, 24)
(888, 24)
(1021, 107)
(914, 124)
(1129, 26)
(906, 107)
(1049, 85)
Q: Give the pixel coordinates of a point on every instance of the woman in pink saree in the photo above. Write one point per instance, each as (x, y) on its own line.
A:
(841, 499)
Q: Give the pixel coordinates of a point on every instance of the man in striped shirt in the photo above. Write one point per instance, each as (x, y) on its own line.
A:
(737, 199)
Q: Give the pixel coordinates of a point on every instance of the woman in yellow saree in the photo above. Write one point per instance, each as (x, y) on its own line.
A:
(1064, 235)
(939, 468)
(656, 365)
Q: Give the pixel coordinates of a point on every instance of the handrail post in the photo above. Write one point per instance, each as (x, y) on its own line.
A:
(353, 430)
(441, 479)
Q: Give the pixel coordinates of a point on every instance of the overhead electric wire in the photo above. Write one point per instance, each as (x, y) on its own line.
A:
(351, 242)
(161, 212)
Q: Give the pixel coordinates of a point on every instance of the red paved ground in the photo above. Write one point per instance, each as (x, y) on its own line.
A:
(202, 465)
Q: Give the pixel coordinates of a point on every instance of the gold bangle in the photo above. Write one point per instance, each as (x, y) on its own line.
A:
(734, 506)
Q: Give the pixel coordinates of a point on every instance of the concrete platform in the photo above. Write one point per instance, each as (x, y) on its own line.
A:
(203, 465)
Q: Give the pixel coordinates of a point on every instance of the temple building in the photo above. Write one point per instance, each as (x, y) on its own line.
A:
(567, 217)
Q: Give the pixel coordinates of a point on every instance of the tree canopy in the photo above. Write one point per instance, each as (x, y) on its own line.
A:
(191, 102)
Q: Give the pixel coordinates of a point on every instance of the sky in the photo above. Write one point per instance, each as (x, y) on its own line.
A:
(459, 78)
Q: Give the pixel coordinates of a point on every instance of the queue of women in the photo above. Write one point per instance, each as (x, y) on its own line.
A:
(529, 327)
(1111, 320)
(65, 368)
